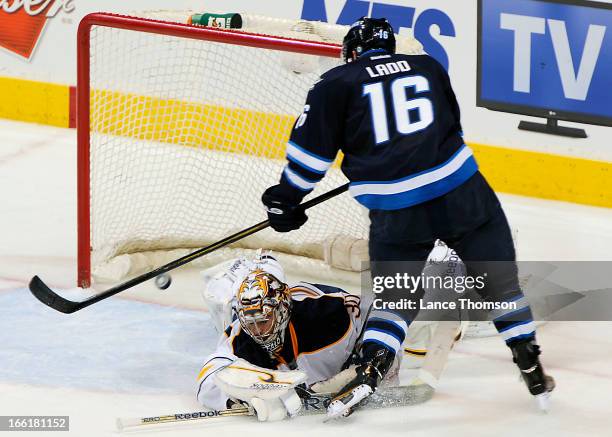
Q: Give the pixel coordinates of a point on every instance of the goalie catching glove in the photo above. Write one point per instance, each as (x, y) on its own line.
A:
(271, 393)
(284, 215)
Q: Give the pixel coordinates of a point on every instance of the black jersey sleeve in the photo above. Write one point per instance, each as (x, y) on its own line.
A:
(315, 139)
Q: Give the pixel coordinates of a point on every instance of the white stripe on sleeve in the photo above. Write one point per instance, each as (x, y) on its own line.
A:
(299, 181)
(307, 160)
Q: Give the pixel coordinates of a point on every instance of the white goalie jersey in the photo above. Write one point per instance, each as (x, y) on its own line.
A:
(325, 324)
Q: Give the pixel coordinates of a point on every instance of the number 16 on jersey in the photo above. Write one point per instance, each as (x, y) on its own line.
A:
(402, 107)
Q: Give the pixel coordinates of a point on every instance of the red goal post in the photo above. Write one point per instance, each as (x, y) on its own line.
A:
(85, 90)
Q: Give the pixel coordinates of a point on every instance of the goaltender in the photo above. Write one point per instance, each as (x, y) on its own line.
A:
(280, 342)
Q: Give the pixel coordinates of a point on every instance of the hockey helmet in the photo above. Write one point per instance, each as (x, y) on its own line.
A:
(263, 304)
(367, 34)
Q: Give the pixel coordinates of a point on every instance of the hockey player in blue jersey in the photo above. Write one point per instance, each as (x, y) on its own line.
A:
(397, 121)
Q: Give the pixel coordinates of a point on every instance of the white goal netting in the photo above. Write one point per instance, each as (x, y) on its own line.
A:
(186, 134)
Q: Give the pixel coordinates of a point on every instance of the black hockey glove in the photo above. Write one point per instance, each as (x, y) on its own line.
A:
(283, 216)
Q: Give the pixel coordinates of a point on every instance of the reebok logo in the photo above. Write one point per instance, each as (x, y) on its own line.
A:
(22, 22)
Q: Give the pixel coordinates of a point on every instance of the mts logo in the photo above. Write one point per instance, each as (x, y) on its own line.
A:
(575, 81)
(22, 22)
(398, 16)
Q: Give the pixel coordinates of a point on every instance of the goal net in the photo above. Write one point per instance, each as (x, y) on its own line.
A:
(182, 127)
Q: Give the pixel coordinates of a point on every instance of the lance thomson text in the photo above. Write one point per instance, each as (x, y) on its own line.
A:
(459, 304)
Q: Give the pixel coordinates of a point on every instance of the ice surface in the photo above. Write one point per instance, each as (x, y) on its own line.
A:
(133, 347)
(138, 354)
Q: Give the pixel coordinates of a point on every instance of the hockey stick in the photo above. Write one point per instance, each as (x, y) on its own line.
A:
(316, 403)
(124, 423)
(47, 296)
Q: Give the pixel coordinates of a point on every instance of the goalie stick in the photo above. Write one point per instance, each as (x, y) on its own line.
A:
(316, 403)
(47, 296)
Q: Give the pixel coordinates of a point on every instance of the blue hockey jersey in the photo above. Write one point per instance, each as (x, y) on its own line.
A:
(397, 121)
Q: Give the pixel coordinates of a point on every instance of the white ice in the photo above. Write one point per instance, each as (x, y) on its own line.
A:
(138, 354)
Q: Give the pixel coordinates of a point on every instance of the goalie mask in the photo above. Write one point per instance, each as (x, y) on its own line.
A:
(263, 305)
(367, 34)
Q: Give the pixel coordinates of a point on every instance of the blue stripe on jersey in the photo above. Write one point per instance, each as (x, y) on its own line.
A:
(463, 150)
(306, 174)
(529, 336)
(514, 325)
(385, 333)
(399, 323)
(304, 166)
(384, 326)
(511, 332)
(514, 315)
(418, 188)
(384, 340)
(520, 304)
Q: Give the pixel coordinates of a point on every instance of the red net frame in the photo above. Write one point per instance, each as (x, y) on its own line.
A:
(83, 94)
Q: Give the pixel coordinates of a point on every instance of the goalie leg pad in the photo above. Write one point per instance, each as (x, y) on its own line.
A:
(347, 253)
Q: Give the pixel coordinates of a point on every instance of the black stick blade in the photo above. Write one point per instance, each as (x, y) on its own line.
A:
(53, 300)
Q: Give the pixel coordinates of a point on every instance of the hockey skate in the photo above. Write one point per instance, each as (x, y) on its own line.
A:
(525, 355)
(376, 364)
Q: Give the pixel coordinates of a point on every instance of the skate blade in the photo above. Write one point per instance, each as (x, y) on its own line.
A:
(339, 408)
(543, 401)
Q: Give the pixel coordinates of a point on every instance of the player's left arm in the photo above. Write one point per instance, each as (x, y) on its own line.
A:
(311, 150)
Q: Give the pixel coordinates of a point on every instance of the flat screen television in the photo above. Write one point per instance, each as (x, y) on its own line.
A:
(546, 58)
